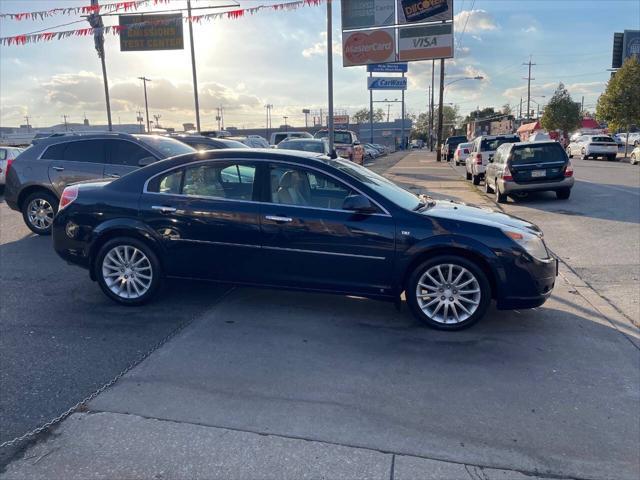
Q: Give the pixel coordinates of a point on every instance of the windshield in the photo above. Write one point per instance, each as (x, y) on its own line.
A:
(168, 147)
(381, 185)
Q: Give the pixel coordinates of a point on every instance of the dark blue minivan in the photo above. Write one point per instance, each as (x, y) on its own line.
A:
(297, 220)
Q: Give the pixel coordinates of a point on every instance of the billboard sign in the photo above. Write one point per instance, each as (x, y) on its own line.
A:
(426, 42)
(164, 32)
(419, 11)
(387, 83)
(388, 68)
(368, 13)
(368, 46)
(339, 120)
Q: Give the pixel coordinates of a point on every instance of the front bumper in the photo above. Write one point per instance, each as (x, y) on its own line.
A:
(513, 187)
(539, 275)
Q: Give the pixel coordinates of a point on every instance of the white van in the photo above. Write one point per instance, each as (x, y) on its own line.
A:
(277, 137)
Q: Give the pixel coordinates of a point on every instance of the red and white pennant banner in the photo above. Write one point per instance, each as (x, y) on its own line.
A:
(116, 29)
(83, 10)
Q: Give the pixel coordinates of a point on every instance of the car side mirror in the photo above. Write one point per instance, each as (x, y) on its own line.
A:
(143, 162)
(358, 203)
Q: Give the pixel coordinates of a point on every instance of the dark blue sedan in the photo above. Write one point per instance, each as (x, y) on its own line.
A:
(300, 221)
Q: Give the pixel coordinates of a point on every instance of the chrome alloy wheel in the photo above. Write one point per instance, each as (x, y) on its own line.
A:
(127, 271)
(448, 293)
(40, 213)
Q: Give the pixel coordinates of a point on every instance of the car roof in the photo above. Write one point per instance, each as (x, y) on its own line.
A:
(71, 136)
(493, 137)
(529, 144)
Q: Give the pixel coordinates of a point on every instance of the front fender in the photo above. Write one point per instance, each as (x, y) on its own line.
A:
(448, 244)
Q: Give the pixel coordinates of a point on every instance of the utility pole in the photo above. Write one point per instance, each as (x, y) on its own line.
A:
(330, 73)
(268, 107)
(146, 103)
(402, 120)
(218, 116)
(286, 127)
(157, 117)
(140, 119)
(433, 73)
(26, 118)
(528, 78)
(438, 151)
(520, 111)
(95, 20)
(222, 116)
(582, 106)
(193, 67)
(66, 127)
(388, 111)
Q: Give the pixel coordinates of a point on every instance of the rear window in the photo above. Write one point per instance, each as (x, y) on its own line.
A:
(456, 140)
(603, 139)
(548, 153)
(489, 145)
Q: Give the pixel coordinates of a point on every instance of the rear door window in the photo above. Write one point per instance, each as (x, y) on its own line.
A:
(89, 151)
(537, 154)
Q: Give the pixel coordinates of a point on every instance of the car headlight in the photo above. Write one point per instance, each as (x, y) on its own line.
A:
(533, 244)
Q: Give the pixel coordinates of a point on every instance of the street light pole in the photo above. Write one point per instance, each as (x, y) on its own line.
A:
(439, 142)
(146, 103)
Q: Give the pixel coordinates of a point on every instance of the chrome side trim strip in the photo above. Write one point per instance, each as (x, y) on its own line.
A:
(298, 250)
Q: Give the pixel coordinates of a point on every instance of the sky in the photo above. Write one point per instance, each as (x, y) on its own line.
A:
(279, 58)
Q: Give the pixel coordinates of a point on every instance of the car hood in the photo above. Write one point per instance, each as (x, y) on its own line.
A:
(448, 209)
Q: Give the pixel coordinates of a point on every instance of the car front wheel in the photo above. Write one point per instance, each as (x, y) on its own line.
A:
(448, 293)
(128, 271)
(38, 211)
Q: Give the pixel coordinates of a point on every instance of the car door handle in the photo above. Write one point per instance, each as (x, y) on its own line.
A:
(279, 219)
(58, 169)
(163, 208)
(112, 175)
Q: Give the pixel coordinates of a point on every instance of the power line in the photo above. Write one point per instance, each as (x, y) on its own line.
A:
(473, 2)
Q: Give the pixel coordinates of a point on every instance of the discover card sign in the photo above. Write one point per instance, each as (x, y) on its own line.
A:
(387, 83)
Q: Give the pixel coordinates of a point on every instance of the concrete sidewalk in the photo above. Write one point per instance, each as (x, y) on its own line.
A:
(285, 385)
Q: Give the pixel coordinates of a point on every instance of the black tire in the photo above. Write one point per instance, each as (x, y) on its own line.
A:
(500, 197)
(412, 286)
(613, 158)
(156, 270)
(487, 187)
(633, 159)
(563, 194)
(475, 179)
(40, 196)
(468, 175)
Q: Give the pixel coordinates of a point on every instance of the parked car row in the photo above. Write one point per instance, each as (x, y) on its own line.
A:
(511, 167)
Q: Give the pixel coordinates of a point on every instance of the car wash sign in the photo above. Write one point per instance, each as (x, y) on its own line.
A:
(151, 32)
(387, 83)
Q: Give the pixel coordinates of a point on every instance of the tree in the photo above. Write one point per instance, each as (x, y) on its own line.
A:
(619, 105)
(420, 130)
(362, 116)
(450, 118)
(506, 109)
(561, 113)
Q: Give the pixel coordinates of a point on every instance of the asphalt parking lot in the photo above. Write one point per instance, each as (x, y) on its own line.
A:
(545, 393)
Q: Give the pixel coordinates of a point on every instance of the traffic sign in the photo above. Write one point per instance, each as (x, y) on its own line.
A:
(387, 83)
(388, 68)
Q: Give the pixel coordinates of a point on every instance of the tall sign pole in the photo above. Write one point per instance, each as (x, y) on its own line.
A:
(438, 145)
(402, 121)
(146, 103)
(433, 72)
(193, 67)
(95, 20)
(371, 111)
(330, 73)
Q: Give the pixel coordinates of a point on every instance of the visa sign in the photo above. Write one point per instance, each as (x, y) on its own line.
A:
(387, 83)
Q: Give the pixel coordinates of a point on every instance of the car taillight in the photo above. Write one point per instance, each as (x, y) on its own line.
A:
(479, 159)
(506, 174)
(69, 195)
(568, 172)
(9, 162)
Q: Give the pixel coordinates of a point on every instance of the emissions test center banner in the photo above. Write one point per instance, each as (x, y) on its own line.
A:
(164, 32)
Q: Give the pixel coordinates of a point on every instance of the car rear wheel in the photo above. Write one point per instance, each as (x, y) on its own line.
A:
(563, 194)
(468, 175)
(500, 197)
(612, 158)
(128, 271)
(476, 179)
(38, 211)
(448, 292)
(584, 155)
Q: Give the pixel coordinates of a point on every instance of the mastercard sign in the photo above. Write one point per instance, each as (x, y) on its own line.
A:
(368, 46)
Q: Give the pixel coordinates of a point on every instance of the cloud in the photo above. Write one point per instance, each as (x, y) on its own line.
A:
(320, 48)
(475, 20)
(530, 29)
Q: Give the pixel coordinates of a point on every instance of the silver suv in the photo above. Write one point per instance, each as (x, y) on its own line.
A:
(38, 175)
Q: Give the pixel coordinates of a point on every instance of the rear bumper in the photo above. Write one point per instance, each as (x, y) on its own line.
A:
(601, 151)
(513, 187)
